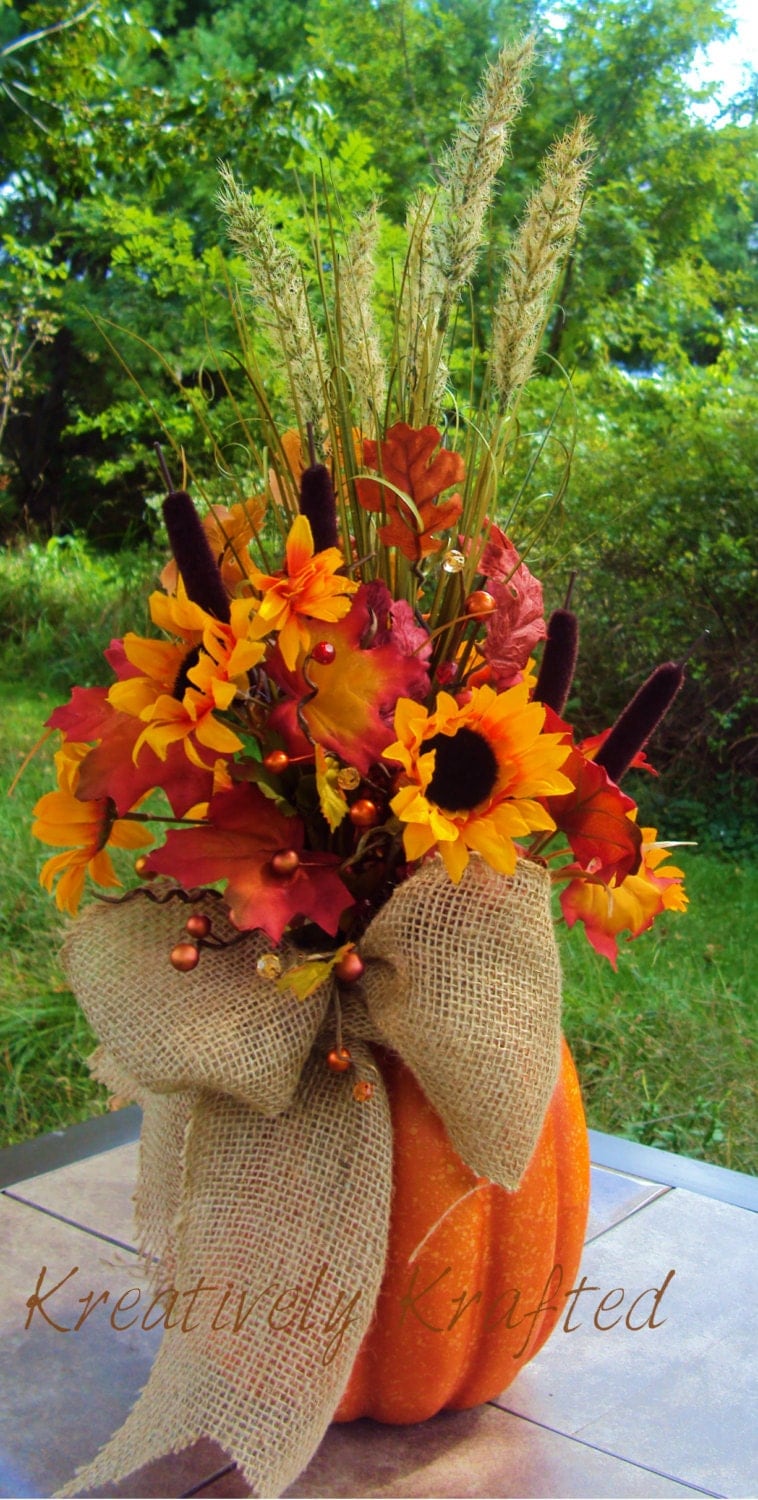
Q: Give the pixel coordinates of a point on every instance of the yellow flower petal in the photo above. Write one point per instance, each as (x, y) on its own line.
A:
(299, 547)
(456, 859)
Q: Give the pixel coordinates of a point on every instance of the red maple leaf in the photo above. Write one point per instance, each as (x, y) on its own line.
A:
(595, 819)
(352, 710)
(84, 716)
(243, 831)
(110, 771)
(404, 459)
(118, 659)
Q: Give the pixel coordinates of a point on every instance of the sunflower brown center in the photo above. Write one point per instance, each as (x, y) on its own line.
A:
(465, 770)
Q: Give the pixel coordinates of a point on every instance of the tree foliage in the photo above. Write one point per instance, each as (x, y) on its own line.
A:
(112, 123)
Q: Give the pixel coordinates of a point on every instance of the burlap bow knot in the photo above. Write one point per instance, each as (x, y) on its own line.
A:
(263, 1178)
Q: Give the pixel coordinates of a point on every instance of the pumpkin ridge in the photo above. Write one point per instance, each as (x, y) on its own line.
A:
(522, 1247)
(572, 1181)
(487, 1271)
(497, 1241)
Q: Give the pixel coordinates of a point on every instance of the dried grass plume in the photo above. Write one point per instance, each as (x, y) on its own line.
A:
(470, 167)
(278, 281)
(361, 348)
(539, 249)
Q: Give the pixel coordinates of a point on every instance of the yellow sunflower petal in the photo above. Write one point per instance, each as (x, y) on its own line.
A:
(100, 868)
(496, 848)
(417, 840)
(127, 835)
(68, 893)
(456, 859)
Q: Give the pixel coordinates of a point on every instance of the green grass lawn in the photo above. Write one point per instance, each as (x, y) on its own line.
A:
(666, 1047)
(44, 1038)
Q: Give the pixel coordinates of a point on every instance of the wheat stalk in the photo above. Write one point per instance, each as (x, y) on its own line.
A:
(418, 314)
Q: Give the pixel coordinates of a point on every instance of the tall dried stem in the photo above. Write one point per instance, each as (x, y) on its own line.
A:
(419, 312)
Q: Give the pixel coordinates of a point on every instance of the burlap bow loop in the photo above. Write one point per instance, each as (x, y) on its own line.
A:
(464, 983)
(221, 1027)
(261, 1171)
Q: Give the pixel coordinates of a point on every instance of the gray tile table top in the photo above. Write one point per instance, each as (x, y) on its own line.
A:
(673, 1387)
(636, 1397)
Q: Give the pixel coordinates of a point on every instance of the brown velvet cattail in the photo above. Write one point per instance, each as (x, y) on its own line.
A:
(194, 559)
(556, 672)
(318, 504)
(635, 725)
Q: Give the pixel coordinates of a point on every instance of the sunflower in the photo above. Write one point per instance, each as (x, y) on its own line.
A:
(308, 589)
(179, 686)
(472, 774)
(61, 818)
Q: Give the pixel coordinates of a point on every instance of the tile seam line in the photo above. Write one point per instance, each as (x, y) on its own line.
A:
(638, 1209)
(197, 1489)
(97, 1234)
(609, 1453)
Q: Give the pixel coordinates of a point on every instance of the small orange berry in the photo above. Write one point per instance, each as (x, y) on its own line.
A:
(364, 813)
(339, 1059)
(276, 761)
(198, 925)
(184, 957)
(362, 1090)
(350, 968)
(480, 603)
(285, 862)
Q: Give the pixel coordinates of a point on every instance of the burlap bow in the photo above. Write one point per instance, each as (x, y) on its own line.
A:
(260, 1174)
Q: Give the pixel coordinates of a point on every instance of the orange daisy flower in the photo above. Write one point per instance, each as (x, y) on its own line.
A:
(631, 905)
(61, 818)
(179, 687)
(308, 589)
(472, 775)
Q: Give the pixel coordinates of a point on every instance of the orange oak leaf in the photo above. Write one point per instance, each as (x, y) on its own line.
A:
(243, 831)
(405, 459)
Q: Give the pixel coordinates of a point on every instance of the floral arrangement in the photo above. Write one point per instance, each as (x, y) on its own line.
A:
(345, 685)
(346, 751)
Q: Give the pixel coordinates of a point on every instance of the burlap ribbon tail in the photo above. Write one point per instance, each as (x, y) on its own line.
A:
(260, 1174)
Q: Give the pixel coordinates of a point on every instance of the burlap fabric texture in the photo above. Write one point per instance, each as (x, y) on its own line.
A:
(259, 1170)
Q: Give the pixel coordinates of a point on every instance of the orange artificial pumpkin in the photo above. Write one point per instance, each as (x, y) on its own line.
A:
(470, 1291)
